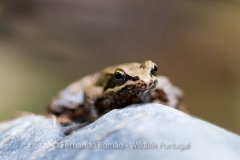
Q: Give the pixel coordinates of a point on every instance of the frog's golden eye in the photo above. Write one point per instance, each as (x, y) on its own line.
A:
(120, 76)
(154, 69)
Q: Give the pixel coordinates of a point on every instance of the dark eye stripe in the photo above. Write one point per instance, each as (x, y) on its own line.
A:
(111, 83)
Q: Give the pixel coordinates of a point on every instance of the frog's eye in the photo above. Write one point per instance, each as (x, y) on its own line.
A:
(120, 76)
(154, 69)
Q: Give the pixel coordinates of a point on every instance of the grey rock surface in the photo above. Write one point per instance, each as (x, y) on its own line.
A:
(147, 131)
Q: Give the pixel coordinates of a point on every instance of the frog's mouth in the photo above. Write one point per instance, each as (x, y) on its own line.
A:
(153, 84)
(138, 88)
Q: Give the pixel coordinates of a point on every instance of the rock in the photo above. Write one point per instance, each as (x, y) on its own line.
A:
(146, 131)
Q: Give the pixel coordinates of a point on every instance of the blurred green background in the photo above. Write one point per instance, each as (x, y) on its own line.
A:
(47, 44)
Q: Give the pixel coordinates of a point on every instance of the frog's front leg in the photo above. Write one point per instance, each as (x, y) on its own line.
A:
(167, 94)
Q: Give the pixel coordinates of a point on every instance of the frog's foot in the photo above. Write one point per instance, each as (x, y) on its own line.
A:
(170, 99)
(182, 107)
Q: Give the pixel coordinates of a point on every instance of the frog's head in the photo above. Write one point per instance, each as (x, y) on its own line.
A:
(132, 78)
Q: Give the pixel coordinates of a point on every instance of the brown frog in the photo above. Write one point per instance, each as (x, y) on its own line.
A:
(115, 87)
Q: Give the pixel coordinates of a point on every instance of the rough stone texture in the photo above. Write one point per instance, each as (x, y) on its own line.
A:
(34, 137)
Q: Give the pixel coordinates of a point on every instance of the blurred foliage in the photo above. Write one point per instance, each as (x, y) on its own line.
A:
(47, 44)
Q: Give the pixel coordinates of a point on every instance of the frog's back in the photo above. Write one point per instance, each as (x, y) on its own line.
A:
(126, 67)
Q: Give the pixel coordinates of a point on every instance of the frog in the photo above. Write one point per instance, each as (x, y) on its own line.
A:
(115, 87)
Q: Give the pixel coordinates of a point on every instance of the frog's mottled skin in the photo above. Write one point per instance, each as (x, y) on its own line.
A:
(115, 87)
